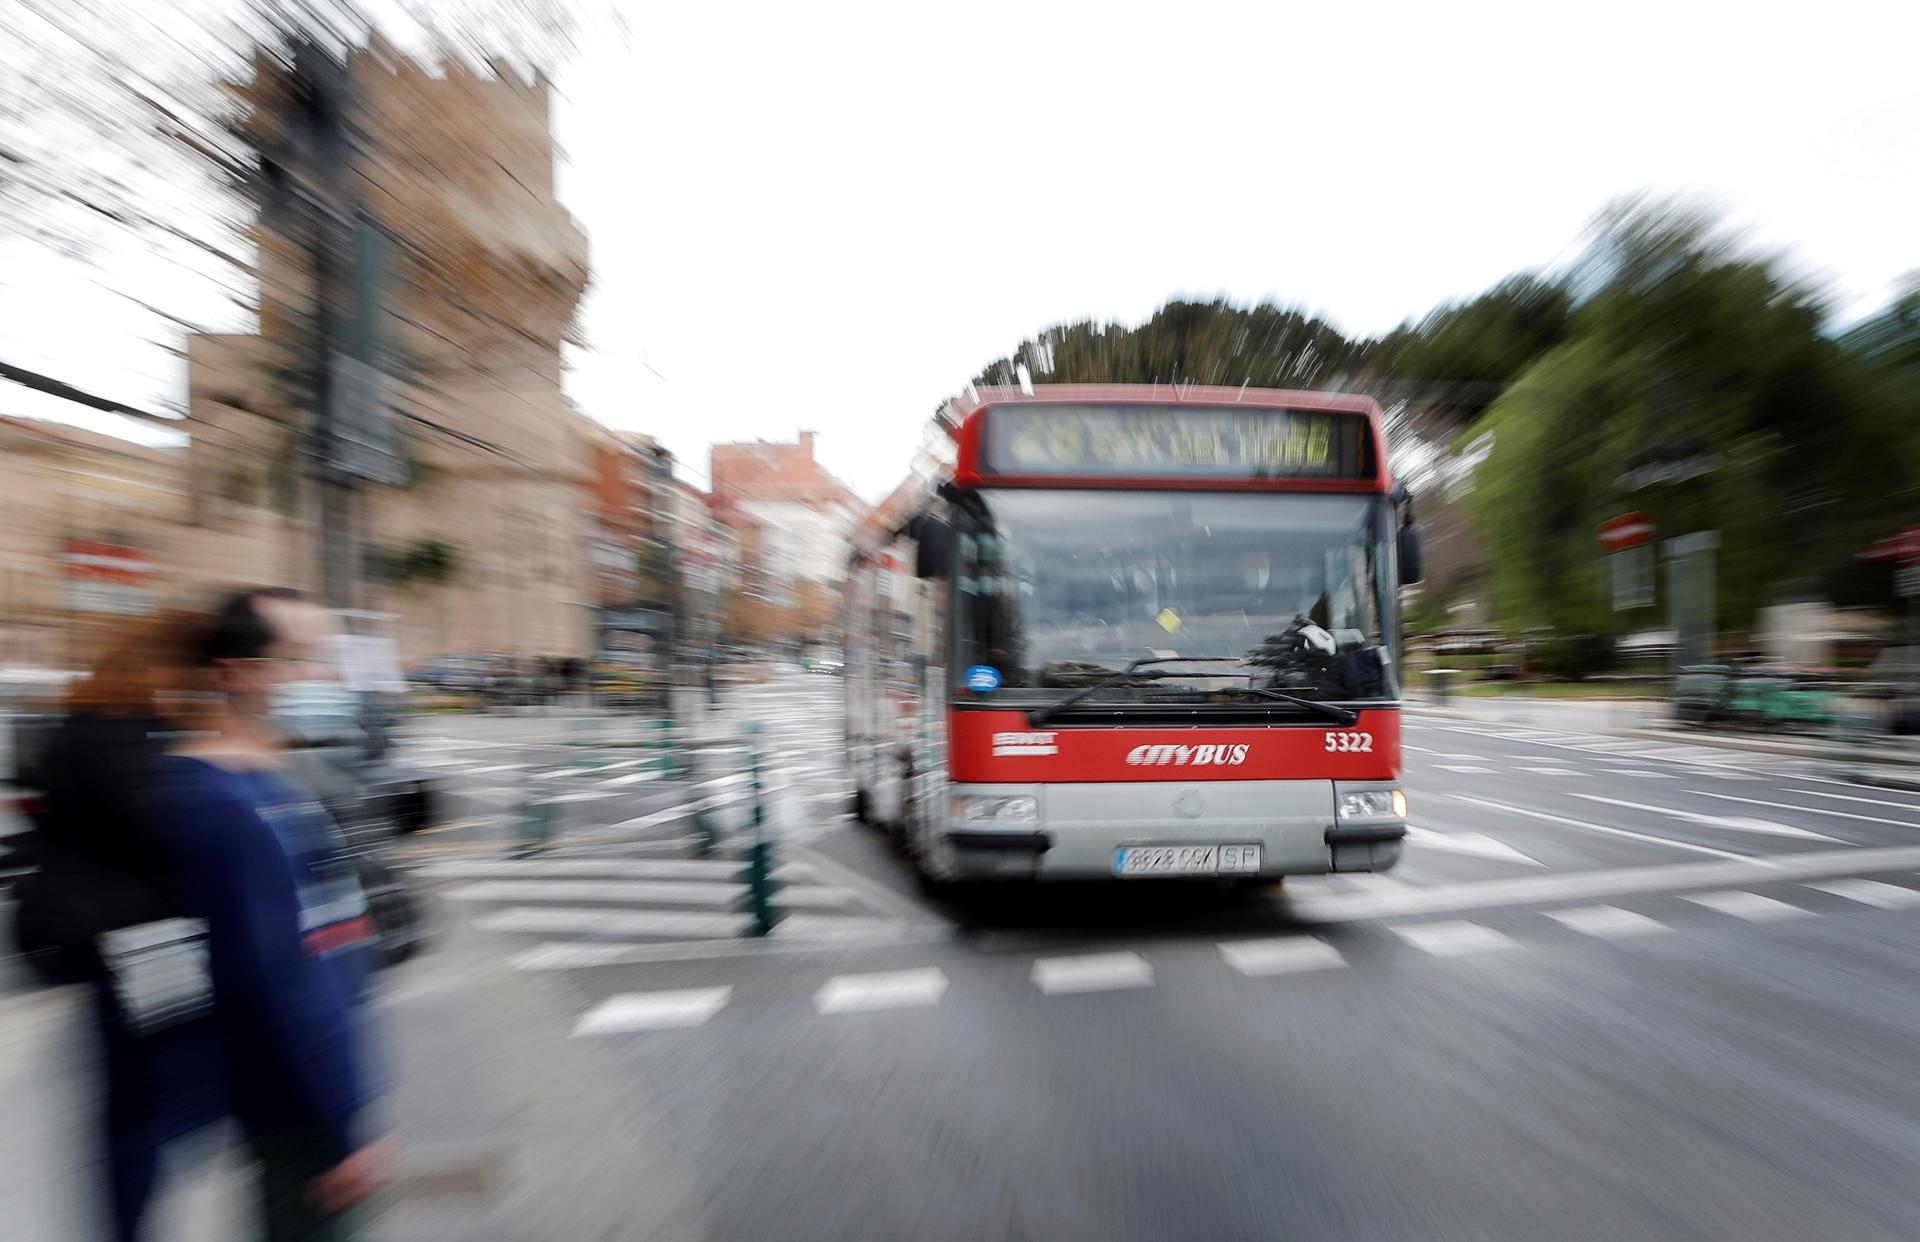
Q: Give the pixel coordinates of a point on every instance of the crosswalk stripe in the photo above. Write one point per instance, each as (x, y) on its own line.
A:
(1092, 972)
(653, 1011)
(1606, 922)
(666, 892)
(601, 868)
(1749, 906)
(551, 920)
(892, 989)
(1281, 955)
(1871, 892)
(1453, 938)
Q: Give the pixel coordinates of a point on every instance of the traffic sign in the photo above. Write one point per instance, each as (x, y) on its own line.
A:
(1629, 530)
(1903, 547)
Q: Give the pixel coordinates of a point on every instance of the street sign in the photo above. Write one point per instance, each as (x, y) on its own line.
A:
(363, 439)
(108, 577)
(1629, 530)
(1903, 547)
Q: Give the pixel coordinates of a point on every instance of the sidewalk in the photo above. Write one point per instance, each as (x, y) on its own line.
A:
(508, 1130)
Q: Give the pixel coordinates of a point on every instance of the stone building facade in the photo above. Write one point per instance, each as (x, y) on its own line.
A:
(488, 545)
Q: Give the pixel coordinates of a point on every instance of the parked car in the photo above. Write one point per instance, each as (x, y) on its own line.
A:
(455, 674)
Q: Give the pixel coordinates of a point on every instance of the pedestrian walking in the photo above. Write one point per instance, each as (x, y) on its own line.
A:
(230, 954)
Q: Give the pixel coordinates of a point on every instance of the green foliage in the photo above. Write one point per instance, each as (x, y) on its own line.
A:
(1571, 657)
(1695, 384)
(1189, 342)
(1481, 344)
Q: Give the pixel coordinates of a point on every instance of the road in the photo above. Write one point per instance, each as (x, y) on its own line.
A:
(1617, 989)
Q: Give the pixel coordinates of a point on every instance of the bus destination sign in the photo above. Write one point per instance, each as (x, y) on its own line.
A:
(1186, 441)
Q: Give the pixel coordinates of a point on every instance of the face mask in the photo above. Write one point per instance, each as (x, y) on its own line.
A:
(314, 712)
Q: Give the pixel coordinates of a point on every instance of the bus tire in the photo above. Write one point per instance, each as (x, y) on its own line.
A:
(862, 806)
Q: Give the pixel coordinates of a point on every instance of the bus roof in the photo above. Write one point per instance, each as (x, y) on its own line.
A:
(967, 417)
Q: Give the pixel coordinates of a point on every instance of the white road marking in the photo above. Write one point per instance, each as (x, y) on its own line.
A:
(1821, 793)
(1551, 771)
(1810, 810)
(1870, 892)
(1282, 955)
(1366, 882)
(1453, 939)
(1565, 821)
(561, 920)
(892, 989)
(605, 868)
(1616, 882)
(1467, 758)
(1476, 843)
(494, 767)
(1466, 768)
(664, 892)
(1092, 972)
(580, 955)
(1740, 823)
(1607, 922)
(1642, 772)
(653, 1011)
(585, 795)
(1749, 906)
(835, 927)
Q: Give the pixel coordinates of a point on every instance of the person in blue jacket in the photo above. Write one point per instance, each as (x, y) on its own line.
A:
(248, 1002)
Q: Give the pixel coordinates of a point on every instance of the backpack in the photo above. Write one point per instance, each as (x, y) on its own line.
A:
(98, 869)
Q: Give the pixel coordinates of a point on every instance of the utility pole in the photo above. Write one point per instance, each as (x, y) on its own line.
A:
(351, 439)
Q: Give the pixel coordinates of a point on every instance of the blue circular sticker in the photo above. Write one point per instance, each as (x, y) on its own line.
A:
(983, 678)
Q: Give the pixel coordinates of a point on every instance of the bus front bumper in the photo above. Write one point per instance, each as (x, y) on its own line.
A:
(1082, 831)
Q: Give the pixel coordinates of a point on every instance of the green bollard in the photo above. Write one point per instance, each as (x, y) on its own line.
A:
(584, 742)
(662, 759)
(536, 826)
(761, 886)
(759, 810)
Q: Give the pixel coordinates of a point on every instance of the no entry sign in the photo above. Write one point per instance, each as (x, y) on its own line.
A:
(1629, 530)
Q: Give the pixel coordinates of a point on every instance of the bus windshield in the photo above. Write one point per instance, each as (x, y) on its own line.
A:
(1060, 589)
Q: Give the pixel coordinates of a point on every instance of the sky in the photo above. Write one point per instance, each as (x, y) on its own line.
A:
(831, 216)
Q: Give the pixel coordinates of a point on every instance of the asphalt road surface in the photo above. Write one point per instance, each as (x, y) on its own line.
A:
(1617, 989)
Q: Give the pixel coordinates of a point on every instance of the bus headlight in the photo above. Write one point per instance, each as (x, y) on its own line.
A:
(994, 809)
(1373, 804)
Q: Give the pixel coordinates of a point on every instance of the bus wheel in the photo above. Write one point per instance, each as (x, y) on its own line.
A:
(862, 807)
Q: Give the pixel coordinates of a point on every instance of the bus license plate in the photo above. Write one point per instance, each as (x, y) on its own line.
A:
(1186, 860)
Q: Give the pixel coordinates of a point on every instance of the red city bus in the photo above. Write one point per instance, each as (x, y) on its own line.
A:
(1135, 631)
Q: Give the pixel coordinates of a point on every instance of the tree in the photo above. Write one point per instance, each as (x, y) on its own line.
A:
(1695, 383)
(1465, 353)
(1264, 346)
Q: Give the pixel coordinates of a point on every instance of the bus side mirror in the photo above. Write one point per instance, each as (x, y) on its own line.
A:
(1411, 570)
(933, 548)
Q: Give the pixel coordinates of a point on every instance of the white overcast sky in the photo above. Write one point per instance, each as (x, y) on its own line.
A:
(829, 217)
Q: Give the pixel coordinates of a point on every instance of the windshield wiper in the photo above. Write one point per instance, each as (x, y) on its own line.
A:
(1041, 715)
(1332, 711)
